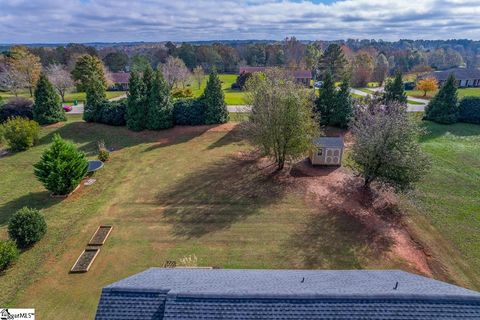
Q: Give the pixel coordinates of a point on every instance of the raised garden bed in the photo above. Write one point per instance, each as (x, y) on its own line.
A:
(100, 236)
(85, 260)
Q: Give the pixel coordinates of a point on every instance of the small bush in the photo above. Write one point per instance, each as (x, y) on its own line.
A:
(470, 110)
(20, 133)
(16, 107)
(182, 93)
(8, 253)
(113, 112)
(242, 79)
(61, 167)
(103, 153)
(189, 112)
(26, 227)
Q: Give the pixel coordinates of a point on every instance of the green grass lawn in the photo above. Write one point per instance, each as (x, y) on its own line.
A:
(462, 92)
(69, 97)
(168, 194)
(366, 90)
(448, 198)
(232, 97)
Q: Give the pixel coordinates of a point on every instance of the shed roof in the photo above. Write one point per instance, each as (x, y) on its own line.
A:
(459, 73)
(329, 142)
(284, 294)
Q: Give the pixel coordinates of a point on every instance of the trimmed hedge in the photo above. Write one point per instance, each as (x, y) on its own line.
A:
(26, 227)
(470, 110)
(189, 112)
(8, 253)
(113, 112)
(16, 107)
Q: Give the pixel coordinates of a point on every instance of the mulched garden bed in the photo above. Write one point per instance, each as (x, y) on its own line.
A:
(85, 260)
(100, 236)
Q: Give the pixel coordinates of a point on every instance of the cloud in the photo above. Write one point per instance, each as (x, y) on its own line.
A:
(26, 21)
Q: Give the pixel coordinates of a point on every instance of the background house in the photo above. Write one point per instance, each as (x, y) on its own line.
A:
(120, 81)
(464, 77)
(284, 294)
(302, 76)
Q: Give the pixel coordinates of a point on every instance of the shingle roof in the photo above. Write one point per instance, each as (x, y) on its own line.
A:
(459, 73)
(120, 77)
(329, 142)
(284, 294)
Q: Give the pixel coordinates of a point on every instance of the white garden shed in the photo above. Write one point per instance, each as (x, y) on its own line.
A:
(329, 151)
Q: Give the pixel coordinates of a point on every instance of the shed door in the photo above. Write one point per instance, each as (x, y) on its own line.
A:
(332, 156)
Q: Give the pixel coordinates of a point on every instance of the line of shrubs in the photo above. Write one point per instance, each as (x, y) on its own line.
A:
(469, 110)
(188, 111)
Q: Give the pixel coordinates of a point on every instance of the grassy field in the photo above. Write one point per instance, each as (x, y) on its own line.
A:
(232, 97)
(186, 191)
(448, 199)
(366, 90)
(69, 97)
(462, 92)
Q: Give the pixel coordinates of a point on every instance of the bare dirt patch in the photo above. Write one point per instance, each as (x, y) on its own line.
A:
(343, 193)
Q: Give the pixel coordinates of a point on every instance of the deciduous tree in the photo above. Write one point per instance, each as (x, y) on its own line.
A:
(86, 69)
(27, 64)
(386, 147)
(60, 78)
(198, 75)
(282, 123)
(175, 72)
(427, 85)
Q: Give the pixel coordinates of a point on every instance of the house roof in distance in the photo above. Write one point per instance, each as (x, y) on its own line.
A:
(284, 294)
(459, 73)
(120, 77)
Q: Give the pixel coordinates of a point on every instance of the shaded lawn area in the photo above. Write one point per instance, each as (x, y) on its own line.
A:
(168, 194)
(448, 199)
(69, 97)
(232, 97)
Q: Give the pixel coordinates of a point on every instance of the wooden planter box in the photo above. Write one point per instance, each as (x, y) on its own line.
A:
(85, 260)
(100, 235)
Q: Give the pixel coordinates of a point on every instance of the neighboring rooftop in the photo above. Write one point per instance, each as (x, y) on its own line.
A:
(120, 77)
(284, 294)
(459, 73)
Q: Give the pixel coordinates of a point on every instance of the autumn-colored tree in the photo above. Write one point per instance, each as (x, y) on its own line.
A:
(26, 64)
(427, 85)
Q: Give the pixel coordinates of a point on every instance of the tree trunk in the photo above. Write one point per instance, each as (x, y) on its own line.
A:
(31, 92)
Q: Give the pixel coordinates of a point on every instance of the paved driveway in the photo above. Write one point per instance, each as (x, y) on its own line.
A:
(410, 107)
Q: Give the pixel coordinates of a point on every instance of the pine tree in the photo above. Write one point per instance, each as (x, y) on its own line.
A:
(148, 79)
(343, 107)
(327, 99)
(159, 114)
(95, 92)
(213, 97)
(394, 90)
(61, 167)
(332, 61)
(135, 115)
(444, 107)
(48, 106)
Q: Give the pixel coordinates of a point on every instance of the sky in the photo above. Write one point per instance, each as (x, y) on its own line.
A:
(60, 21)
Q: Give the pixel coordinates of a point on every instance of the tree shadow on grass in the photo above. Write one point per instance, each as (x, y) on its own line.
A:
(219, 195)
(87, 136)
(37, 200)
(435, 130)
(334, 240)
(236, 135)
